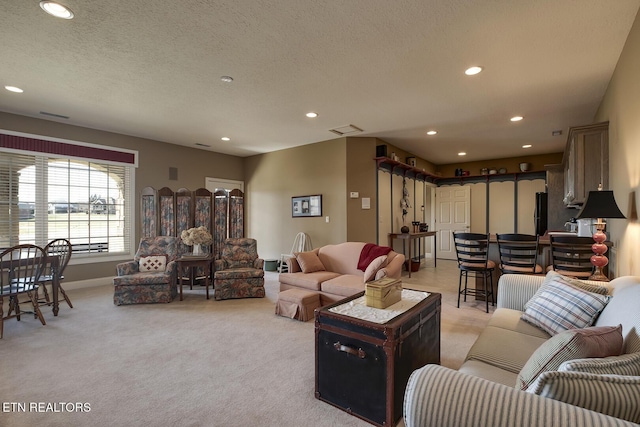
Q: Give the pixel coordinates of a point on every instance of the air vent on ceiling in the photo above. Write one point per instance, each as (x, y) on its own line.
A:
(59, 116)
(202, 145)
(345, 130)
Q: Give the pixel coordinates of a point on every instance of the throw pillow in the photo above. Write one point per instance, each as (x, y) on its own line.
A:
(606, 394)
(625, 364)
(600, 341)
(309, 262)
(553, 277)
(373, 267)
(561, 306)
(152, 264)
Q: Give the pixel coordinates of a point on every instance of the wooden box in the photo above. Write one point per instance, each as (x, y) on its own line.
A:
(383, 292)
(363, 367)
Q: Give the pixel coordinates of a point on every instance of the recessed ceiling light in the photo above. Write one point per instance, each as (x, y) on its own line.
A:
(312, 115)
(13, 89)
(432, 132)
(472, 71)
(225, 138)
(527, 146)
(516, 118)
(226, 79)
(56, 9)
(462, 153)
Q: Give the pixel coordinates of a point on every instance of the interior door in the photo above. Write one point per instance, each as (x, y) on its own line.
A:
(453, 211)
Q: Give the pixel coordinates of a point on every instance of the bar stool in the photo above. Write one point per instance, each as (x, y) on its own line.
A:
(472, 251)
(518, 254)
(571, 255)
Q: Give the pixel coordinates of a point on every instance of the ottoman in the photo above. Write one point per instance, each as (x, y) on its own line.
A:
(297, 304)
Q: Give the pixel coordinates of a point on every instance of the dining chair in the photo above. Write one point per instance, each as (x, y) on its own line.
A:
(20, 268)
(472, 251)
(571, 255)
(63, 250)
(518, 253)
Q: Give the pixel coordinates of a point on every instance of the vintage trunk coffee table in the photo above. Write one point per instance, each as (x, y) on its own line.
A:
(362, 366)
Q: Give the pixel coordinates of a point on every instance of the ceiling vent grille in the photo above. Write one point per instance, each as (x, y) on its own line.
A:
(345, 130)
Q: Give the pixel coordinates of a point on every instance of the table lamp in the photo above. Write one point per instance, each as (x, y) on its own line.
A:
(599, 205)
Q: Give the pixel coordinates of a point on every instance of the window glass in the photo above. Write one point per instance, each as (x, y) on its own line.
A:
(48, 198)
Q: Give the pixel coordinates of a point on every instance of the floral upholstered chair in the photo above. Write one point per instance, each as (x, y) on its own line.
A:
(151, 276)
(239, 273)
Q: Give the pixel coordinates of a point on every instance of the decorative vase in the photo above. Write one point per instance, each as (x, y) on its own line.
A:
(197, 249)
(524, 167)
(404, 229)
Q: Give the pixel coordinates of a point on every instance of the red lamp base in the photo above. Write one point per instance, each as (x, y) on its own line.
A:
(598, 260)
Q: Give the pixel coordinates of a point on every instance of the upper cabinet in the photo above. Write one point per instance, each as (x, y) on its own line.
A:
(586, 162)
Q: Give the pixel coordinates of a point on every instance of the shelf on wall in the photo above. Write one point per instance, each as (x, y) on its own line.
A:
(514, 176)
(405, 170)
(408, 171)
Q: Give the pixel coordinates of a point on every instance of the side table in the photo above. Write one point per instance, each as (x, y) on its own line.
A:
(204, 261)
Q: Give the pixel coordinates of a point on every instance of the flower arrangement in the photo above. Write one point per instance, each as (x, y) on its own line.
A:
(196, 236)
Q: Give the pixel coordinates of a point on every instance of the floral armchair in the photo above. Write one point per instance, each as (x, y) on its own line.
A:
(239, 272)
(151, 276)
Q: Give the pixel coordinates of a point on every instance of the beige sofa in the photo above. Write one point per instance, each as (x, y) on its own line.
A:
(341, 277)
(485, 390)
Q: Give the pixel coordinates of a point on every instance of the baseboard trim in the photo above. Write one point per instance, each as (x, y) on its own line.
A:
(89, 283)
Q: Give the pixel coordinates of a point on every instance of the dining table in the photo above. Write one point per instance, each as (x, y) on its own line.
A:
(54, 260)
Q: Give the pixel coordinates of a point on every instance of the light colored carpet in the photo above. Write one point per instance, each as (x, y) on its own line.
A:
(195, 362)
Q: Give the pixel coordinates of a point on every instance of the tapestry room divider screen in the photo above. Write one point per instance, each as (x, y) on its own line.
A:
(164, 212)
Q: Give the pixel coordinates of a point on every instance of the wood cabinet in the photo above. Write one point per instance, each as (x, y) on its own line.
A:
(586, 162)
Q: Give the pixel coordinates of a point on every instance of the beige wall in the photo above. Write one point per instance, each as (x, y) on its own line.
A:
(361, 178)
(155, 158)
(271, 180)
(621, 107)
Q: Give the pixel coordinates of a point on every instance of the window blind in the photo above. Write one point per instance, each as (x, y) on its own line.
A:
(88, 202)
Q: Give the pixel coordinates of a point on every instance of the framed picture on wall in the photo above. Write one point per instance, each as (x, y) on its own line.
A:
(306, 206)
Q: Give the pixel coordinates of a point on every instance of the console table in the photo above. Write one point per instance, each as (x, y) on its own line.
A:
(411, 237)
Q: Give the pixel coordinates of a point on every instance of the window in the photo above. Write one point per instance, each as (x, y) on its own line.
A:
(85, 200)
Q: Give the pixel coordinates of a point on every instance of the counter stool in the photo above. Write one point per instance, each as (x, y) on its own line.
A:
(472, 250)
(297, 304)
(518, 254)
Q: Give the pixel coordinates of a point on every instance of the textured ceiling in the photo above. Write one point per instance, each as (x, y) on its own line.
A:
(392, 68)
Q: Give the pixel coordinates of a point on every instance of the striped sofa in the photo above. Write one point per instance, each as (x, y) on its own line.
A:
(483, 393)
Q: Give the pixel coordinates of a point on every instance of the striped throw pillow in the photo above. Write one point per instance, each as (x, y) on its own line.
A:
(561, 306)
(600, 341)
(614, 395)
(625, 364)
